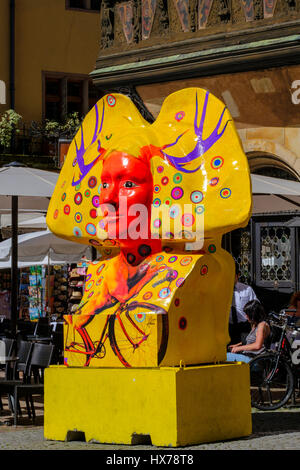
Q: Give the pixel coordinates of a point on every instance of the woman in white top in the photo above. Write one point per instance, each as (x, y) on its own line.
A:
(255, 341)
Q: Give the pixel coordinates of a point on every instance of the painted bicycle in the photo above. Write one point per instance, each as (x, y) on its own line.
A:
(128, 332)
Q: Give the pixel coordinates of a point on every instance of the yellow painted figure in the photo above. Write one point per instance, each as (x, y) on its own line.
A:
(155, 201)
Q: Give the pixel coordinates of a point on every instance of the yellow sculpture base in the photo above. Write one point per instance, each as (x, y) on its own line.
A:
(174, 406)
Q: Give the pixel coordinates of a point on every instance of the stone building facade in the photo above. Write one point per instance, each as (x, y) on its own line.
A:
(247, 53)
(244, 51)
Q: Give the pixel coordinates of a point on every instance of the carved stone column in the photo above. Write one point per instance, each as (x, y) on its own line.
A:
(136, 6)
(107, 24)
(163, 14)
(225, 10)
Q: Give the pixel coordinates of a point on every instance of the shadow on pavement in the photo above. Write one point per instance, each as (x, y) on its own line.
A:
(267, 423)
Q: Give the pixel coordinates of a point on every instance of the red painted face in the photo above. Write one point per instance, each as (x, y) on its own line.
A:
(126, 196)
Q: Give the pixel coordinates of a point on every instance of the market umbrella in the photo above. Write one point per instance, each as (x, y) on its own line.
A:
(35, 223)
(295, 222)
(27, 222)
(274, 194)
(25, 219)
(18, 181)
(43, 247)
(26, 204)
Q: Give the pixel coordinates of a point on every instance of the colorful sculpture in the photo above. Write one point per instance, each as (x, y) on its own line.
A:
(155, 200)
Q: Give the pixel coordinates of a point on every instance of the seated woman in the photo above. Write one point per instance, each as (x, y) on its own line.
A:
(260, 330)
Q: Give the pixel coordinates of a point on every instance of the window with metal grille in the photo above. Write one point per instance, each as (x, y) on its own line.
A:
(66, 94)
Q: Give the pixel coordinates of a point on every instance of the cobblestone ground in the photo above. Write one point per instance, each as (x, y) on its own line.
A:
(279, 430)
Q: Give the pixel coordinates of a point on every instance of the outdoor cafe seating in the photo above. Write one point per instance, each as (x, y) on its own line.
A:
(34, 347)
(9, 345)
(26, 377)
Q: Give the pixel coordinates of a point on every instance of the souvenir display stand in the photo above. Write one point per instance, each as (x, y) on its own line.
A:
(76, 280)
(37, 292)
(145, 351)
(5, 280)
(24, 294)
(60, 290)
(40, 294)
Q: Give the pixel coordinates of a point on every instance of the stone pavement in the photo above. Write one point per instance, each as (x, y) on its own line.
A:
(278, 430)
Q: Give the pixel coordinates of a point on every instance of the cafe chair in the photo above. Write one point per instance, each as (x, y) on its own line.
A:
(32, 383)
(17, 371)
(42, 332)
(40, 359)
(9, 347)
(5, 327)
(21, 366)
(5, 365)
(58, 343)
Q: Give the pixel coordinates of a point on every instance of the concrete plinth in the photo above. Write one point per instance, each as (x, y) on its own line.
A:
(174, 406)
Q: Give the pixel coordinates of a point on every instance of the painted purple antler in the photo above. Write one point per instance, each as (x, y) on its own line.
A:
(85, 169)
(202, 145)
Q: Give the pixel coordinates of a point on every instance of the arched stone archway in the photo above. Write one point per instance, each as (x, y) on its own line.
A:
(273, 147)
(271, 165)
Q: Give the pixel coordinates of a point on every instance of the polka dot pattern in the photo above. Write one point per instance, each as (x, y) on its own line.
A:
(217, 163)
(147, 296)
(179, 116)
(199, 209)
(181, 174)
(165, 292)
(140, 317)
(78, 217)
(144, 250)
(111, 100)
(77, 232)
(92, 182)
(131, 258)
(225, 193)
(214, 181)
(196, 197)
(67, 209)
(177, 193)
(177, 178)
(174, 211)
(96, 201)
(187, 220)
(204, 270)
(91, 229)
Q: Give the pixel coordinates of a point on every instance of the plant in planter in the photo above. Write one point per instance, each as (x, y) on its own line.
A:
(8, 126)
(70, 126)
(51, 131)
